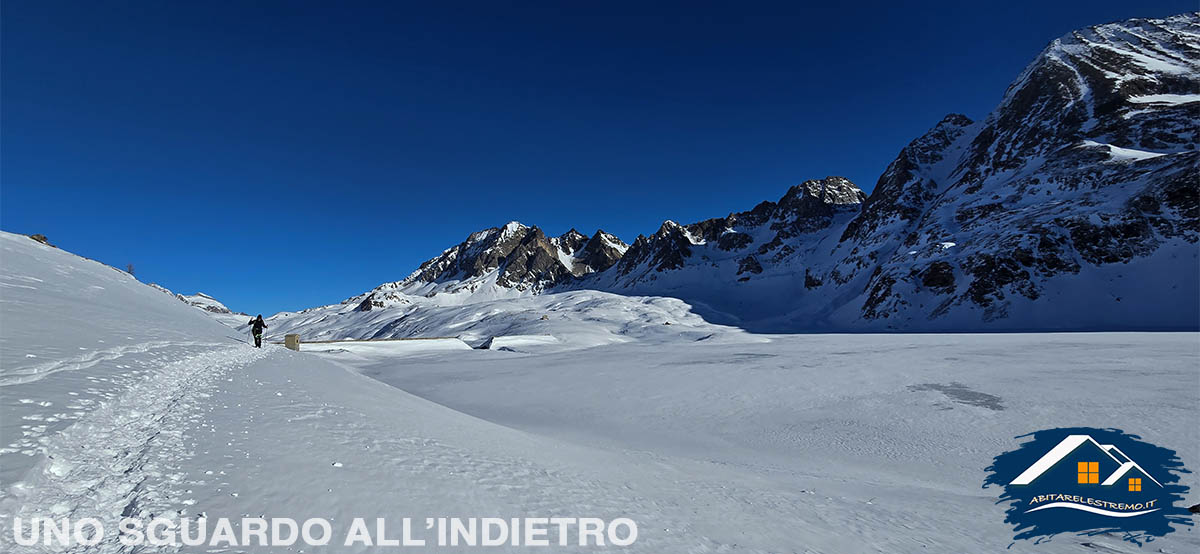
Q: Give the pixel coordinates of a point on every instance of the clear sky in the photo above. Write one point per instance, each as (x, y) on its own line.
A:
(282, 156)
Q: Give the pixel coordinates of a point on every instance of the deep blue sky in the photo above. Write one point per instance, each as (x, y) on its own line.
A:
(289, 155)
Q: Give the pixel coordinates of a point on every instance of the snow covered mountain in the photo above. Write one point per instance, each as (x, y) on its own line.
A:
(746, 266)
(514, 257)
(208, 304)
(1075, 204)
(1080, 187)
(205, 302)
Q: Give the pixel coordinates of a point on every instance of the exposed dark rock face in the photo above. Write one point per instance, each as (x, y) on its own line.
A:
(570, 242)
(804, 210)
(749, 265)
(204, 302)
(733, 240)
(42, 239)
(938, 276)
(811, 205)
(524, 258)
(811, 282)
(534, 261)
(665, 250)
(602, 251)
(904, 189)
(369, 303)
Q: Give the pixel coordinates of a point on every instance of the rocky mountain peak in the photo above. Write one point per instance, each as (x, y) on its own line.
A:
(830, 190)
(522, 258)
(931, 148)
(570, 242)
(805, 208)
(602, 251)
(812, 205)
(668, 248)
(1131, 84)
(912, 180)
(204, 302)
(669, 229)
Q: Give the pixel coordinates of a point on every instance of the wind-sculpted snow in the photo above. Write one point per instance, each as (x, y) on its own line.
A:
(578, 319)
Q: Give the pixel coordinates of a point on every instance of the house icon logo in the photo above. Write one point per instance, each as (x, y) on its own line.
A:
(1092, 460)
(1090, 481)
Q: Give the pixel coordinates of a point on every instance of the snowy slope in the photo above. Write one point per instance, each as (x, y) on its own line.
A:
(577, 319)
(73, 334)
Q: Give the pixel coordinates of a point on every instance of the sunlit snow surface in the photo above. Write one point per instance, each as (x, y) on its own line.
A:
(1165, 98)
(734, 443)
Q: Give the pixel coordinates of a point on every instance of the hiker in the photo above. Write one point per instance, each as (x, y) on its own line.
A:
(256, 326)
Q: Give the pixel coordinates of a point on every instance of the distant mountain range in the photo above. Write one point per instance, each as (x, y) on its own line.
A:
(209, 304)
(1074, 205)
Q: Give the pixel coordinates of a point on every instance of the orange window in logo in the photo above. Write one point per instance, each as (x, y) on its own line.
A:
(1135, 484)
(1089, 472)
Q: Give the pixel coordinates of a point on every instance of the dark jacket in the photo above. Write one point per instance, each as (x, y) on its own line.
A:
(257, 324)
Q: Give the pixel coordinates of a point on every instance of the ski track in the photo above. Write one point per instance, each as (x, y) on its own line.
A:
(103, 465)
(90, 359)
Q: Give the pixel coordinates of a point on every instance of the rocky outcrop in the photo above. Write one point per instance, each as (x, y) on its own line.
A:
(770, 232)
(909, 183)
(602, 251)
(519, 257)
(369, 303)
(570, 242)
(204, 302)
(665, 250)
(42, 239)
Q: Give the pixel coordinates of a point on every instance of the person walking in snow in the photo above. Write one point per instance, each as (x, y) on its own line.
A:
(256, 326)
